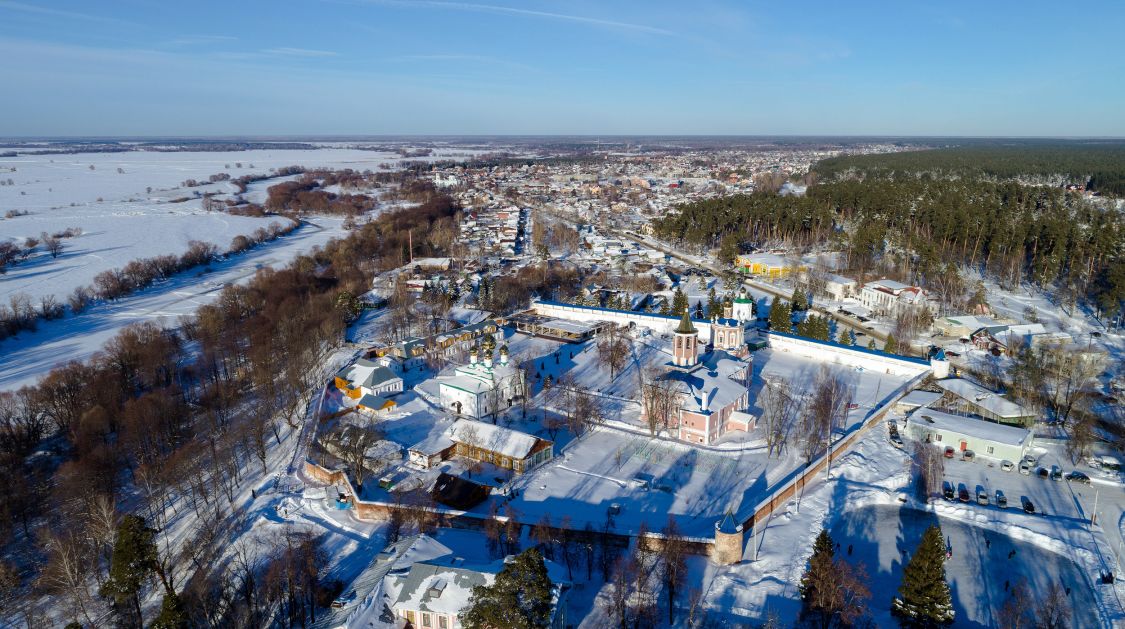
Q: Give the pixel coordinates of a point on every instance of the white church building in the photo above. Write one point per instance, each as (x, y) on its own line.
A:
(481, 388)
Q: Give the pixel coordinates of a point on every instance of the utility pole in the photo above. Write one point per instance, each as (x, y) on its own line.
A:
(1094, 515)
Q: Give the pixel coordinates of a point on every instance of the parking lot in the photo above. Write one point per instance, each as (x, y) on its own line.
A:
(1066, 501)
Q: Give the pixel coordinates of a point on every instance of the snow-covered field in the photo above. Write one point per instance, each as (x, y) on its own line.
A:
(121, 220)
(30, 355)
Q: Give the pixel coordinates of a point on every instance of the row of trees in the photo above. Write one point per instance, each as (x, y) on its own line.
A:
(180, 421)
(21, 313)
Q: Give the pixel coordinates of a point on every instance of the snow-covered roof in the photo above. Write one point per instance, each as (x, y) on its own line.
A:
(982, 397)
(433, 444)
(918, 398)
(442, 589)
(969, 426)
(505, 441)
(367, 373)
(890, 285)
(375, 402)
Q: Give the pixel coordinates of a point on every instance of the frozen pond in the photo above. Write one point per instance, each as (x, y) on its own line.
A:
(977, 572)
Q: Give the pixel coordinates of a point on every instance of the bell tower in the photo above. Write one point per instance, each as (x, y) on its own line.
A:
(685, 352)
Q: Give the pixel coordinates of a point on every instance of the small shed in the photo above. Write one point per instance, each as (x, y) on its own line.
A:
(459, 493)
(431, 451)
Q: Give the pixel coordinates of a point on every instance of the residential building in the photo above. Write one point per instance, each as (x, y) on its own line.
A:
(889, 298)
(368, 378)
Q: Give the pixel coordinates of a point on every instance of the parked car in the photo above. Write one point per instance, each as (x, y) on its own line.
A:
(1043, 473)
(1006, 465)
(1030, 460)
(1028, 506)
(982, 496)
(968, 455)
(963, 493)
(1056, 473)
(1078, 477)
(947, 490)
(1025, 468)
(1001, 499)
(896, 441)
(949, 452)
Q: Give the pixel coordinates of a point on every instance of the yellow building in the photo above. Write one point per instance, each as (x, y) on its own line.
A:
(769, 265)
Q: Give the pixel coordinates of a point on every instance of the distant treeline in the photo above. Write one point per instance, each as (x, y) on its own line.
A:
(205, 146)
(920, 225)
(1098, 165)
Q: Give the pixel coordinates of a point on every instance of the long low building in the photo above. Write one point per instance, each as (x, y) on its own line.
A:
(502, 447)
(969, 397)
(983, 437)
(661, 324)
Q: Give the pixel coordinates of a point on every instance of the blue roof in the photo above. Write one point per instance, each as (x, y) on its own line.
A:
(851, 348)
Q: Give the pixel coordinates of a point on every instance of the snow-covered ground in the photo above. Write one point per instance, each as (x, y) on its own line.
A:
(137, 213)
(862, 509)
(30, 355)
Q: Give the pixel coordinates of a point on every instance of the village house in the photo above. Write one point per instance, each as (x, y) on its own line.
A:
(368, 378)
(421, 583)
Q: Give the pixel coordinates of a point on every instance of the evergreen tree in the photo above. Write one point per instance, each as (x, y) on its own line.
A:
(679, 302)
(818, 583)
(847, 338)
(780, 316)
(133, 560)
(891, 346)
(924, 599)
(871, 344)
(664, 309)
(714, 306)
(172, 614)
(800, 300)
(699, 310)
(519, 598)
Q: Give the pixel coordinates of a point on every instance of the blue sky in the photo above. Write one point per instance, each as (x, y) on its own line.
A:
(163, 67)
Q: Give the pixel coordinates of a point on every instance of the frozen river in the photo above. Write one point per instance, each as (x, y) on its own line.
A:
(28, 356)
